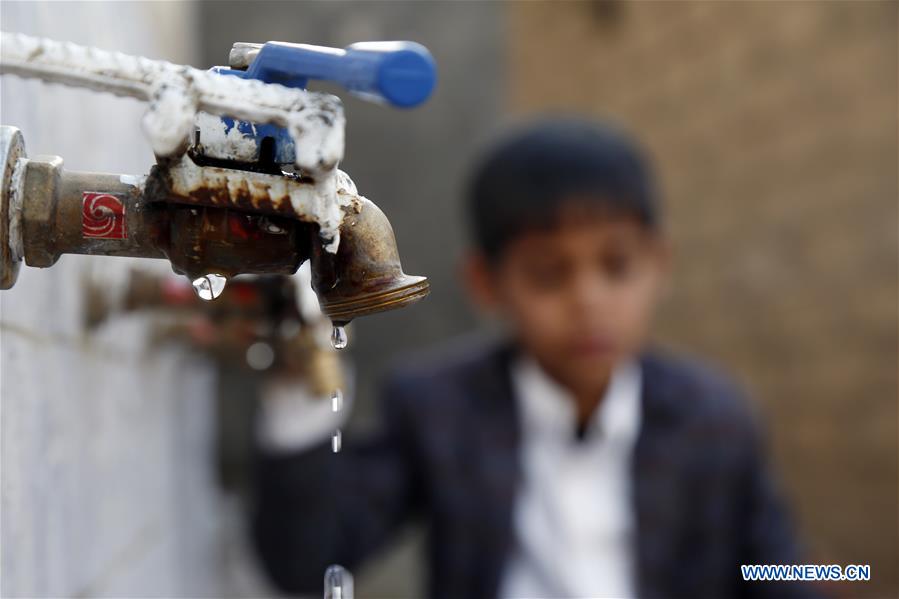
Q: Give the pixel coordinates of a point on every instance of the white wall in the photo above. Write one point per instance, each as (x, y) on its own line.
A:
(107, 484)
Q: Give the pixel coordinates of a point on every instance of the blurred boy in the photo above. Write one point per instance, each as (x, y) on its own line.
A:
(567, 460)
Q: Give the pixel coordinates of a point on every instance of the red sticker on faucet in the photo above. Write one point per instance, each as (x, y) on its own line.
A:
(102, 216)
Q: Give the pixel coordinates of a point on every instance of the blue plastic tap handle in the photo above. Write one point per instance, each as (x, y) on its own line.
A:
(401, 73)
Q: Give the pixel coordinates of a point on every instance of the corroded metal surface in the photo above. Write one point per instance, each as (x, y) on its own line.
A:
(211, 219)
(12, 150)
(365, 276)
(59, 216)
(177, 92)
(231, 242)
(296, 197)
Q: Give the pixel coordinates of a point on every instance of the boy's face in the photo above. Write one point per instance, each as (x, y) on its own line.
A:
(579, 295)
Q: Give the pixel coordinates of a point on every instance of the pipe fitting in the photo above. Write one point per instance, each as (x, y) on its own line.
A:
(204, 219)
(12, 150)
(365, 276)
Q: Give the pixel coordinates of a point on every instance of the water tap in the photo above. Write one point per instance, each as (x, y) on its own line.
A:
(246, 179)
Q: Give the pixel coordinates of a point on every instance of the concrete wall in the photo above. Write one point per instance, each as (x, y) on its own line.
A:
(107, 488)
(774, 126)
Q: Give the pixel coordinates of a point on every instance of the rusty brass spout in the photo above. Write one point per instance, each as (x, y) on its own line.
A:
(365, 277)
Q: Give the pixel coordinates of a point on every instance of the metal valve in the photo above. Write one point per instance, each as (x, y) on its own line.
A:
(246, 179)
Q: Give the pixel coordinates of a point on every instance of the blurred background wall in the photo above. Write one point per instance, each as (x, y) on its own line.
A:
(774, 129)
(774, 126)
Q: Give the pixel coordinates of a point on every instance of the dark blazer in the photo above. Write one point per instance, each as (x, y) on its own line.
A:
(448, 452)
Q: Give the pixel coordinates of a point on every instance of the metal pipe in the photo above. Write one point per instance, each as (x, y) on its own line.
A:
(204, 220)
(70, 212)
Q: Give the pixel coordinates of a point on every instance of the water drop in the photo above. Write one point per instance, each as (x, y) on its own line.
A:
(338, 583)
(338, 337)
(336, 441)
(209, 287)
(337, 400)
(270, 227)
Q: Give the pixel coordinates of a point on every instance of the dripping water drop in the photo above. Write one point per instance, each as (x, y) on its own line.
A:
(338, 337)
(337, 401)
(336, 441)
(210, 286)
(338, 583)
